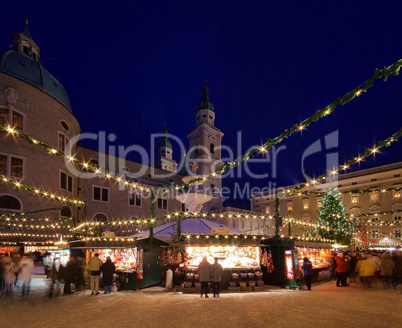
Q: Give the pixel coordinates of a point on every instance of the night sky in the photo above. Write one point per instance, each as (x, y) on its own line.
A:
(131, 66)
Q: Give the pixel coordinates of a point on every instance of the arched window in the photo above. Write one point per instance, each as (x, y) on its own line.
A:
(100, 217)
(9, 203)
(66, 212)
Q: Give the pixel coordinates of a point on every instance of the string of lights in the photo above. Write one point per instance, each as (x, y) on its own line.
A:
(40, 192)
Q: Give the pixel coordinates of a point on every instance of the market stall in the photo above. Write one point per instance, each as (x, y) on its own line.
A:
(320, 255)
(287, 257)
(239, 257)
(135, 266)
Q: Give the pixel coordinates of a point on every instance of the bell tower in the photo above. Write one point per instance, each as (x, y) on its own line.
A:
(165, 152)
(205, 149)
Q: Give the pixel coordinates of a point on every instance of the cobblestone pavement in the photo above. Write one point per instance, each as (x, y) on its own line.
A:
(325, 306)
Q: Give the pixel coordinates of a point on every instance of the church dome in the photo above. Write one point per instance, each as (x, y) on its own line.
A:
(31, 71)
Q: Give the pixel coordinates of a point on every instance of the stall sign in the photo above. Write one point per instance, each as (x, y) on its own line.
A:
(220, 230)
(289, 265)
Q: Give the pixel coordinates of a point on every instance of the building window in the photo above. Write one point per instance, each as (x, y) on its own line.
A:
(11, 166)
(355, 199)
(375, 234)
(62, 141)
(66, 212)
(375, 218)
(183, 207)
(16, 121)
(66, 182)
(134, 199)
(305, 204)
(398, 233)
(257, 208)
(100, 217)
(212, 148)
(267, 210)
(397, 195)
(397, 217)
(162, 204)
(242, 224)
(3, 116)
(374, 197)
(9, 203)
(234, 224)
(100, 194)
(290, 207)
(65, 125)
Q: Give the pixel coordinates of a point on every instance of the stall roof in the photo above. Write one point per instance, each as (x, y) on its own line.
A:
(194, 226)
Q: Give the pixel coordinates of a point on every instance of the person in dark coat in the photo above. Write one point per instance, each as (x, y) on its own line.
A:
(307, 268)
(69, 272)
(216, 276)
(108, 269)
(204, 270)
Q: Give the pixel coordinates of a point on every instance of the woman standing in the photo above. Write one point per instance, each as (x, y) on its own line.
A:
(307, 268)
(108, 269)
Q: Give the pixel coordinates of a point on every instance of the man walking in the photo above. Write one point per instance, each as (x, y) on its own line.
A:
(94, 267)
(216, 276)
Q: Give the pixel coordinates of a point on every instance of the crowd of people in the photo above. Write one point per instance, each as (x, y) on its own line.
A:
(368, 268)
(16, 273)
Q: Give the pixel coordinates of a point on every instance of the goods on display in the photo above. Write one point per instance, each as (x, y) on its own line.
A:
(234, 257)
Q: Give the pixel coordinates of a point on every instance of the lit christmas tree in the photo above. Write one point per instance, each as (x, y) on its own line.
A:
(332, 215)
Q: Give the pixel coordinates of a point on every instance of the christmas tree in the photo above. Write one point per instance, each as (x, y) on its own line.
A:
(332, 215)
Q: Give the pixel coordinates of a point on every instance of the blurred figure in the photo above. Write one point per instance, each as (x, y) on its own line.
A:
(352, 266)
(377, 265)
(26, 266)
(307, 268)
(365, 268)
(204, 270)
(216, 277)
(48, 262)
(15, 257)
(9, 274)
(2, 283)
(79, 274)
(108, 269)
(69, 276)
(55, 277)
(387, 270)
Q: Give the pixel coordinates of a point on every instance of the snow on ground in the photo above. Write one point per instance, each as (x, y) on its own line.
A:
(325, 306)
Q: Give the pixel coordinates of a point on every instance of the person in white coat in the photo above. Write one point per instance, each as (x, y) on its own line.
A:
(26, 266)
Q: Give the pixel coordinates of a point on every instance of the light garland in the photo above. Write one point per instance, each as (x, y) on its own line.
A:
(345, 192)
(88, 166)
(370, 151)
(109, 239)
(39, 192)
(321, 113)
(17, 214)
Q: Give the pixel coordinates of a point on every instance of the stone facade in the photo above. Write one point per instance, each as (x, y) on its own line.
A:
(376, 210)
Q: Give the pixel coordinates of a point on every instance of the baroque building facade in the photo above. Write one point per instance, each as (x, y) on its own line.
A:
(39, 180)
(372, 199)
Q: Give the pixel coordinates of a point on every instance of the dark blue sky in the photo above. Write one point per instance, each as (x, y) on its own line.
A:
(132, 66)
